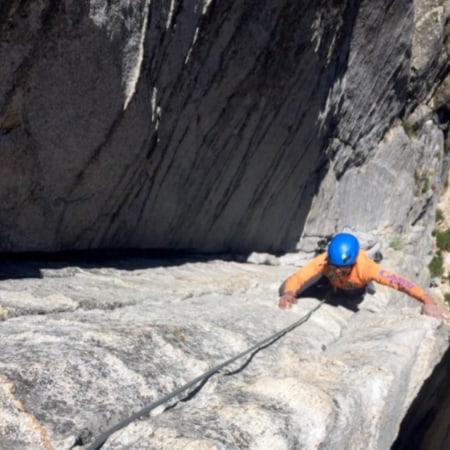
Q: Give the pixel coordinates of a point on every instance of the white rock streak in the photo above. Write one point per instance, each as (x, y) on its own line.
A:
(205, 8)
(128, 16)
(194, 40)
(136, 44)
(156, 110)
(170, 15)
(206, 5)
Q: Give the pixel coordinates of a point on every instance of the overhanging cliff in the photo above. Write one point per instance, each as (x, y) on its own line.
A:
(214, 126)
(209, 125)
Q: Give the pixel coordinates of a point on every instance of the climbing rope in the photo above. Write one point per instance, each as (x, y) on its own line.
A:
(98, 443)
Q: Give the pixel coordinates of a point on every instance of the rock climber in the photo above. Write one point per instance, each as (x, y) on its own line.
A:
(349, 268)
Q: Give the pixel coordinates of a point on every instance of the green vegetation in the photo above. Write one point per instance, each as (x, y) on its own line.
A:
(396, 243)
(439, 215)
(447, 298)
(447, 147)
(436, 265)
(443, 239)
(425, 185)
(423, 182)
(411, 128)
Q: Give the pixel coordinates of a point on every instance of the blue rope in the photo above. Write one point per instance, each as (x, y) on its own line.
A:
(98, 443)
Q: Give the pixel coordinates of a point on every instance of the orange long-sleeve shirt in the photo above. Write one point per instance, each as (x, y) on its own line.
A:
(364, 270)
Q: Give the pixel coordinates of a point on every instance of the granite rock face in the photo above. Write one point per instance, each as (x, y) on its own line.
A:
(246, 126)
(213, 126)
(85, 346)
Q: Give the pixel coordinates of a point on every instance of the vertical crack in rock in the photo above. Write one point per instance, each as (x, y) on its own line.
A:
(427, 422)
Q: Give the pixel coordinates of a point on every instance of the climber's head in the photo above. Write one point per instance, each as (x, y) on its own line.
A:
(343, 250)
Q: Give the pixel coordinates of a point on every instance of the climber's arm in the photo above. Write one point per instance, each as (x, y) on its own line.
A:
(300, 280)
(405, 285)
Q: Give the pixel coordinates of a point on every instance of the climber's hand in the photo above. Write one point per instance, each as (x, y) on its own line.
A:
(287, 300)
(432, 310)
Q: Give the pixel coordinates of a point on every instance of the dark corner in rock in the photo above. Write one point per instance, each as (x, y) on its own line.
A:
(334, 297)
(426, 425)
(29, 264)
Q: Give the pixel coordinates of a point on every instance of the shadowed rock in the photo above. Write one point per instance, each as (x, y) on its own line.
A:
(206, 125)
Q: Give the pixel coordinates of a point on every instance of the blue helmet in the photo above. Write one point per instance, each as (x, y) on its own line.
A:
(343, 250)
